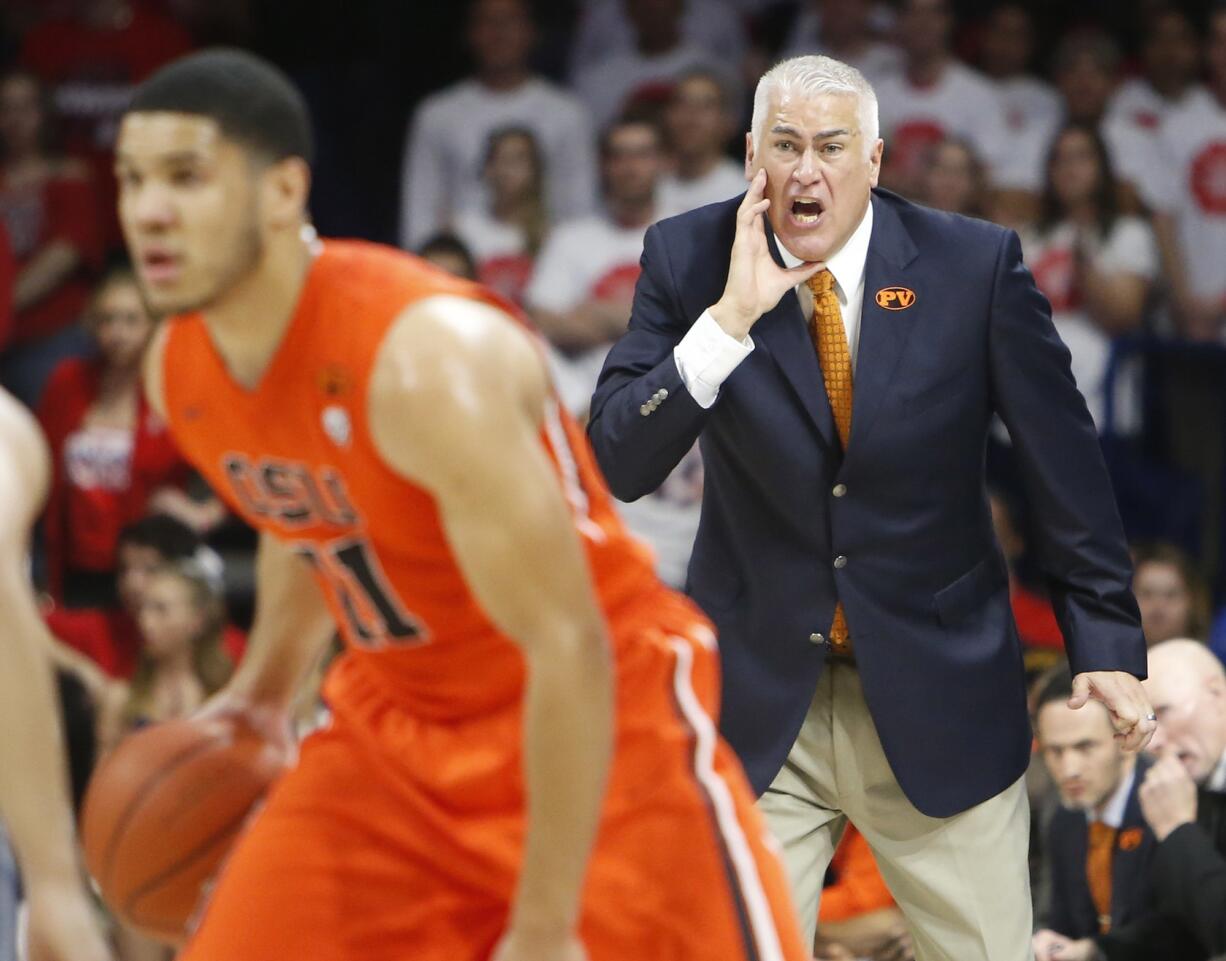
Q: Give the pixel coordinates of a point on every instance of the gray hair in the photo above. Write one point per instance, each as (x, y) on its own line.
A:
(812, 76)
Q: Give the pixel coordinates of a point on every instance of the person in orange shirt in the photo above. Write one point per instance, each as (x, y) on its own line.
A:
(858, 917)
(521, 761)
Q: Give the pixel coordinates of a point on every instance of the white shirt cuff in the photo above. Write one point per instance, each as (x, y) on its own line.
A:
(706, 356)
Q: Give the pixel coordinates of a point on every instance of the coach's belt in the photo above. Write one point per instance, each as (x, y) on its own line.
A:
(845, 656)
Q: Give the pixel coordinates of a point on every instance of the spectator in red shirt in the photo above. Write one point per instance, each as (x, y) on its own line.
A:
(182, 622)
(93, 58)
(109, 638)
(48, 206)
(111, 453)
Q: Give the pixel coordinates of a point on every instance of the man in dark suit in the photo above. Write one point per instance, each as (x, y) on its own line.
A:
(845, 551)
(1183, 801)
(1098, 848)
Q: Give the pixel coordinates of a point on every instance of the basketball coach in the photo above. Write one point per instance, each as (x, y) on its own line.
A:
(839, 353)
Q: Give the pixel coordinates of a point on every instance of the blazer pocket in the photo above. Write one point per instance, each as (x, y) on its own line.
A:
(969, 591)
(915, 401)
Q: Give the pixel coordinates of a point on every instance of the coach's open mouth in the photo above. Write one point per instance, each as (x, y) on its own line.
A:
(806, 210)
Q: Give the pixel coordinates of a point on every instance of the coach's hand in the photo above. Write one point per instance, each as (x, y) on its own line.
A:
(525, 946)
(1121, 694)
(755, 282)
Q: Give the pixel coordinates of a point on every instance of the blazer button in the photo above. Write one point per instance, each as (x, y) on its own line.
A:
(662, 393)
(817, 639)
(839, 490)
(840, 562)
(645, 410)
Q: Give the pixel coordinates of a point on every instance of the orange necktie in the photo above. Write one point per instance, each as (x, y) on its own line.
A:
(830, 338)
(1098, 871)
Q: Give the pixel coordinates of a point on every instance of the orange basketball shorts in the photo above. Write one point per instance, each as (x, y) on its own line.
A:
(398, 839)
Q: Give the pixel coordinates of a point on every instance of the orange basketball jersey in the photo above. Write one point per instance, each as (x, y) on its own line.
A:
(294, 456)
(399, 833)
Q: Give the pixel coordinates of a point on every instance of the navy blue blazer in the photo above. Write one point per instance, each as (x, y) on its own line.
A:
(921, 577)
(1072, 912)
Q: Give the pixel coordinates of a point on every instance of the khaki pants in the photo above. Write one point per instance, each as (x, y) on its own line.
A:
(962, 882)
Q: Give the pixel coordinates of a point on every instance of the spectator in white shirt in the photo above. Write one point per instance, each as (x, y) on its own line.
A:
(583, 283)
(1095, 265)
(580, 295)
(1086, 71)
(843, 29)
(932, 97)
(953, 178)
(505, 236)
(644, 75)
(1171, 59)
(1190, 197)
(699, 124)
(446, 145)
(606, 30)
(1032, 107)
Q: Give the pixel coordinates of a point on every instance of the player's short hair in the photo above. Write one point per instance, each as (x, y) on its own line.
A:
(117, 269)
(721, 83)
(1091, 43)
(253, 102)
(167, 535)
(1055, 685)
(449, 245)
(814, 76)
(633, 117)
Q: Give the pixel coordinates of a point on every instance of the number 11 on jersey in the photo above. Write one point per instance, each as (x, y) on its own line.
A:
(375, 617)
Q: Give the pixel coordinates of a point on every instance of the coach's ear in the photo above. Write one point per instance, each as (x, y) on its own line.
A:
(286, 187)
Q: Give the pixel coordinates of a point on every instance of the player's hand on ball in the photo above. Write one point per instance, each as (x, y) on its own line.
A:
(521, 946)
(269, 721)
(63, 926)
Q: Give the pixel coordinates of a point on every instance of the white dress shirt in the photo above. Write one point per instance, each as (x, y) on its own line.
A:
(706, 355)
(1217, 780)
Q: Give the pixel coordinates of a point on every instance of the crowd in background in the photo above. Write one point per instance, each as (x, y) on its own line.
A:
(530, 147)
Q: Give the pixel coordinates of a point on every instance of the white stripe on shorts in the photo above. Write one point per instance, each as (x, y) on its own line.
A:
(761, 918)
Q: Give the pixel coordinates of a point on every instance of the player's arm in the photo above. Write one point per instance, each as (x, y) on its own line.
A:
(456, 405)
(292, 626)
(292, 623)
(34, 801)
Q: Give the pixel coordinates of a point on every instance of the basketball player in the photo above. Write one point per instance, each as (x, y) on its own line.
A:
(34, 801)
(521, 761)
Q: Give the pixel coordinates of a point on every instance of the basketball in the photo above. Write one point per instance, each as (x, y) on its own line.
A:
(162, 811)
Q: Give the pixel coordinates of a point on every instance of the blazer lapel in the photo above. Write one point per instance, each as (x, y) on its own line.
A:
(784, 334)
(883, 333)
